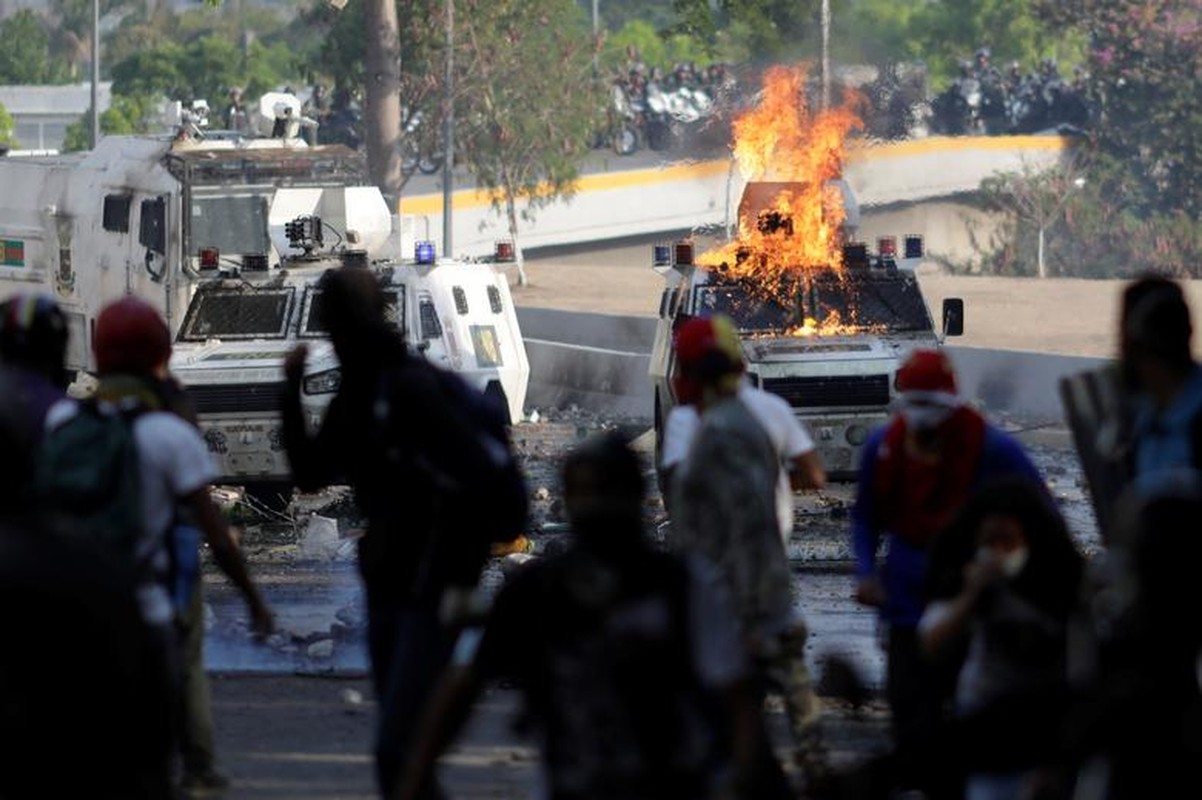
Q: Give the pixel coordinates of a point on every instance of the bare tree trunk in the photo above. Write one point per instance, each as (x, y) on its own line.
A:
(511, 212)
(382, 111)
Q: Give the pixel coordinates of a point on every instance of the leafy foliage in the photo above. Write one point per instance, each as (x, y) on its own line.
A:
(1144, 60)
(8, 136)
(203, 69)
(25, 52)
(528, 100)
(738, 30)
(941, 34)
(128, 114)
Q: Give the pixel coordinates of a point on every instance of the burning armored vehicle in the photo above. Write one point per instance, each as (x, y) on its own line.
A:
(825, 322)
(828, 341)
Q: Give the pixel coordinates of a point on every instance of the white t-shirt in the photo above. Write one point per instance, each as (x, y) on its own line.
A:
(175, 462)
(788, 435)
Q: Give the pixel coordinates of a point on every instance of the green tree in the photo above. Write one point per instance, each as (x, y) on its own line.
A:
(129, 114)
(1144, 62)
(205, 69)
(944, 32)
(25, 52)
(764, 30)
(8, 134)
(527, 102)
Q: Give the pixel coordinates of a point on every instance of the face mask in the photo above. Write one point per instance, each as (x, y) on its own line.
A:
(925, 418)
(1014, 562)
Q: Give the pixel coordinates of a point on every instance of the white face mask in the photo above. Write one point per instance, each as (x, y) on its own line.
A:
(925, 417)
(1012, 564)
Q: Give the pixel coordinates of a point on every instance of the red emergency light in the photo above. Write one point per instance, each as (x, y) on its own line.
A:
(886, 246)
(504, 252)
(209, 257)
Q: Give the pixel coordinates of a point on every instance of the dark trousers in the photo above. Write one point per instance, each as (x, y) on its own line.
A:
(919, 692)
(409, 649)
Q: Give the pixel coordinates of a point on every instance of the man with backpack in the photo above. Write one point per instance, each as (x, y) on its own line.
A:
(628, 660)
(122, 469)
(432, 470)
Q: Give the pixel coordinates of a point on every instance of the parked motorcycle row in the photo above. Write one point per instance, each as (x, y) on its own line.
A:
(984, 101)
(688, 108)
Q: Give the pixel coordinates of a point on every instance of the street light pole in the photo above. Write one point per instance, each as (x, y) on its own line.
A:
(95, 72)
(448, 135)
(826, 54)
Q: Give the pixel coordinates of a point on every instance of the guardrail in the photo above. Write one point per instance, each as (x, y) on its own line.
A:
(684, 195)
(600, 363)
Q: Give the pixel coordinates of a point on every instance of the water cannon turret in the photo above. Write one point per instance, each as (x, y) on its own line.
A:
(304, 233)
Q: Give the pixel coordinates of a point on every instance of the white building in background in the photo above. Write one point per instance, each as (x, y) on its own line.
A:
(42, 114)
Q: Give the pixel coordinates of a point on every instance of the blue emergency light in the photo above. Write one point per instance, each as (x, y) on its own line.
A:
(424, 252)
(661, 255)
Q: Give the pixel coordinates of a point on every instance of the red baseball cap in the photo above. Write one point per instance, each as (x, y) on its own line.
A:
(130, 338)
(927, 371)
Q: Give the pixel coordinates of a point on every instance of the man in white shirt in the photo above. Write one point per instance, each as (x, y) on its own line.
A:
(800, 466)
(725, 501)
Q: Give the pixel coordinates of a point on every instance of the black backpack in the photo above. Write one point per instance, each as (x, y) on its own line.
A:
(482, 509)
(87, 473)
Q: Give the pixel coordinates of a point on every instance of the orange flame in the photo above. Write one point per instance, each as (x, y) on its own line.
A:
(796, 151)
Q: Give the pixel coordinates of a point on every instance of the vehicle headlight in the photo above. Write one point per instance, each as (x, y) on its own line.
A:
(323, 382)
(856, 435)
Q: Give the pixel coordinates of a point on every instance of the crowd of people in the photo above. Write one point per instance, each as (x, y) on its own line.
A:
(984, 99)
(1016, 667)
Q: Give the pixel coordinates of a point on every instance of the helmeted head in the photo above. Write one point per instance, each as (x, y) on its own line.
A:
(131, 339)
(709, 356)
(603, 488)
(33, 335)
(926, 382)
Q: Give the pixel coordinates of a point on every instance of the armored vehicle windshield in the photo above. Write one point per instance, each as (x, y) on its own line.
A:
(244, 312)
(885, 302)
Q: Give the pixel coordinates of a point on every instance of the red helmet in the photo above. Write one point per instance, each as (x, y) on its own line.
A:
(130, 338)
(927, 371)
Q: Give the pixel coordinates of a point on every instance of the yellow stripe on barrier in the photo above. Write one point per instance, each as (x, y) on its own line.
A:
(425, 204)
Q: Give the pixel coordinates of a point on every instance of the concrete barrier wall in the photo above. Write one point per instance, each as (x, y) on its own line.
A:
(599, 363)
(681, 196)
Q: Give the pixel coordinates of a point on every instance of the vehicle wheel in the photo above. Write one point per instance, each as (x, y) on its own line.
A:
(428, 165)
(626, 141)
(273, 496)
(659, 136)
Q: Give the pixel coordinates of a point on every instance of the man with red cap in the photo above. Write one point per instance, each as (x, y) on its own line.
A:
(724, 506)
(132, 346)
(916, 473)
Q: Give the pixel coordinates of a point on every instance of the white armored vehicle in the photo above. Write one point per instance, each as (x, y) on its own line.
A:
(230, 348)
(145, 215)
(828, 340)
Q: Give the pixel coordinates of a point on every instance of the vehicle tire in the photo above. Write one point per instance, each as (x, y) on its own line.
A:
(659, 136)
(428, 165)
(626, 141)
(274, 496)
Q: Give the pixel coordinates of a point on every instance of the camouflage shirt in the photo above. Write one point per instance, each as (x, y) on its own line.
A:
(725, 510)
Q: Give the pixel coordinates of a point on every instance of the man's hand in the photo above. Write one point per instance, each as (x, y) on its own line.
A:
(870, 592)
(294, 364)
(262, 621)
(981, 573)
